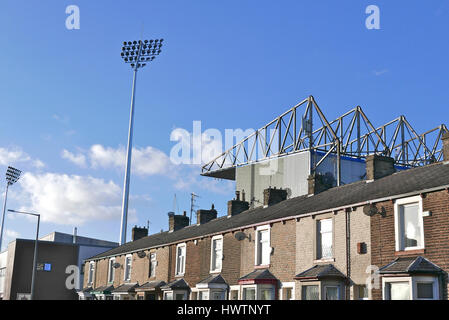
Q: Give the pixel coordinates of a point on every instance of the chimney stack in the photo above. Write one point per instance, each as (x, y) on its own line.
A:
(318, 182)
(445, 139)
(237, 206)
(378, 167)
(203, 216)
(272, 196)
(176, 221)
(138, 233)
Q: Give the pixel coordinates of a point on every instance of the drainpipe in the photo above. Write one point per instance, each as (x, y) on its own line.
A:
(348, 248)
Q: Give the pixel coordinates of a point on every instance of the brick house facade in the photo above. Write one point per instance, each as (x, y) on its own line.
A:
(321, 246)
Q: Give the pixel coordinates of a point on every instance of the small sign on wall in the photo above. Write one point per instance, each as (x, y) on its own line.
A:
(43, 267)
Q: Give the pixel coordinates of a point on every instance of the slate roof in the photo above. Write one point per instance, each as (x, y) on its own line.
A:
(151, 285)
(410, 265)
(320, 272)
(259, 274)
(402, 182)
(103, 290)
(126, 288)
(213, 279)
(177, 284)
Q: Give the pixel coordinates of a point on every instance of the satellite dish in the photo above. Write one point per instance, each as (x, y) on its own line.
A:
(141, 254)
(240, 236)
(371, 209)
(116, 265)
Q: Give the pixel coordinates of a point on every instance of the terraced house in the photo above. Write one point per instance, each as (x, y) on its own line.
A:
(317, 246)
(311, 219)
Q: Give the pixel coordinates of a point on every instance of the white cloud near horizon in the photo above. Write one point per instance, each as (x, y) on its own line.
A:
(71, 199)
(15, 155)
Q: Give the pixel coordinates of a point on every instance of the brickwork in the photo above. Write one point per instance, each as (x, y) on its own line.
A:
(436, 236)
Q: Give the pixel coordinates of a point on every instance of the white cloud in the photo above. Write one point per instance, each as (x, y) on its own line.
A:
(145, 161)
(12, 156)
(11, 234)
(78, 159)
(71, 199)
(380, 72)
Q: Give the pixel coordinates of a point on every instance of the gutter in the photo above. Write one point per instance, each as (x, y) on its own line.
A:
(303, 215)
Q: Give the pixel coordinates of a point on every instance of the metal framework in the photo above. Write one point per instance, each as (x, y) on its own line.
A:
(350, 135)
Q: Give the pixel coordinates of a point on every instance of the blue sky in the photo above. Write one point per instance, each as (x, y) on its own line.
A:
(229, 64)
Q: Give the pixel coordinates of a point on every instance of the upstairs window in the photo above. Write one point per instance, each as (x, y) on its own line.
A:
(153, 263)
(180, 259)
(409, 224)
(216, 254)
(263, 249)
(90, 276)
(111, 273)
(128, 264)
(325, 239)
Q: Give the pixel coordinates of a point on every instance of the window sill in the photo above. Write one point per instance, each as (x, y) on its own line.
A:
(326, 260)
(215, 271)
(262, 266)
(409, 252)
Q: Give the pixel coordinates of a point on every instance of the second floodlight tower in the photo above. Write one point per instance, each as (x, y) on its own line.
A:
(137, 54)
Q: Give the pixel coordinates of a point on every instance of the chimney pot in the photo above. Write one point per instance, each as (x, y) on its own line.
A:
(379, 166)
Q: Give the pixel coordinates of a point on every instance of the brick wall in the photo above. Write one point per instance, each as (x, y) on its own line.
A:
(436, 235)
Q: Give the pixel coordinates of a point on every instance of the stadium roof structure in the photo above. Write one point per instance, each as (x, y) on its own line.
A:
(350, 135)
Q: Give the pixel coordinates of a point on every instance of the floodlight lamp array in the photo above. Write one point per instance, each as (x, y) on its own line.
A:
(139, 53)
(12, 175)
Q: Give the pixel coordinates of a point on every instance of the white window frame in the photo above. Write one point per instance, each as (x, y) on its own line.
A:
(153, 268)
(331, 286)
(258, 254)
(178, 271)
(286, 285)
(319, 245)
(125, 270)
(213, 268)
(386, 280)
(111, 270)
(91, 277)
(234, 288)
(249, 287)
(397, 229)
(433, 280)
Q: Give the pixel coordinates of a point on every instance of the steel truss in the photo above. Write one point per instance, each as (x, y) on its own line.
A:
(350, 135)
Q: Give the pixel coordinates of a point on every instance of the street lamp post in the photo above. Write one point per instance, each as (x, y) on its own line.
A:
(33, 276)
(12, 175)
(137, 54)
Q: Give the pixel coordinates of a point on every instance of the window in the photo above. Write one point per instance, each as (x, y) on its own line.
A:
(128, 264)
(111, 273)
(409, 224)
(310, 292)
(216, 254)
(324, 241)
(266, 293)
(361, 292)
(249, 293)
(331, 293)
(263, 249)
(398, 290)
(234, 293)
(153, 263)
(90, 276)
(203, 295)
(168, 296)
(180, 259)
(287, 293)
(413, 287)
